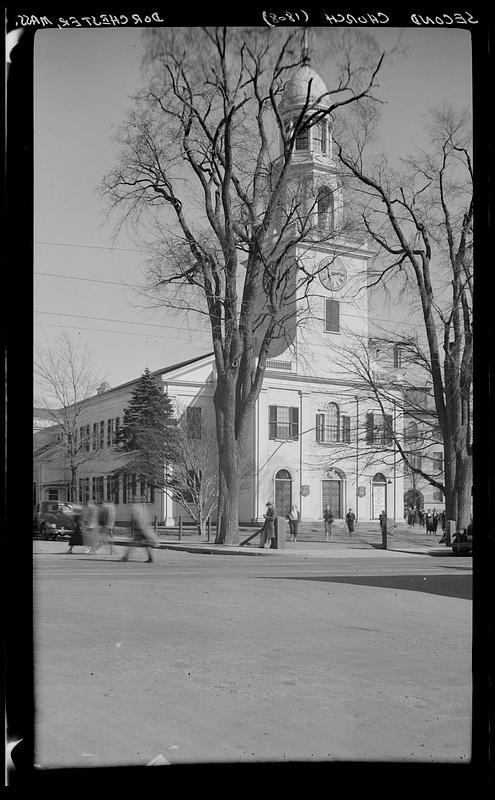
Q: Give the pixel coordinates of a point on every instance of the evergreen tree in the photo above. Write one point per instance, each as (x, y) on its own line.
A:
(147, 434)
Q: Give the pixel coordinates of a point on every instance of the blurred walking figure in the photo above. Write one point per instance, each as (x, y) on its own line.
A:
(328, 517)
(91, 528)
(76, 536)
(106, 522)
(293, 522)
(411, 518)
(143, 532)
(350, 519)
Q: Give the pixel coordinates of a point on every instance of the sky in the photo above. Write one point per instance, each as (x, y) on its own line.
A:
(84, 279)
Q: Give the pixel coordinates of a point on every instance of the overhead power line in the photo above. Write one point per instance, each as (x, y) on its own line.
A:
(176, 338)
(94, 247)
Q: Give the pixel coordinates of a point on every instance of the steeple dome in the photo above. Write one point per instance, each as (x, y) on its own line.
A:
(296, 90)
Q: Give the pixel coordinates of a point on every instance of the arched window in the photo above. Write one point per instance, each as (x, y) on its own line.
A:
(319, 135)
(325, 208)
(302, 139)
(332, 426)
(333, 419)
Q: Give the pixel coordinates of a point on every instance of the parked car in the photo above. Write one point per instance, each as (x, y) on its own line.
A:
(53, 518)
(462, 541)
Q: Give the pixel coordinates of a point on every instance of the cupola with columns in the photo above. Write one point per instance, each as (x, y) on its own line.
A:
(313, 175)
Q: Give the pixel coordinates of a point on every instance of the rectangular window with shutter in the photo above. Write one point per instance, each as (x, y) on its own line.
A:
(369, 427)
(345, 422)
(283, 422)
(388, 437)
(437, 459)
(320, 427)
(194, 419)
(332, 316)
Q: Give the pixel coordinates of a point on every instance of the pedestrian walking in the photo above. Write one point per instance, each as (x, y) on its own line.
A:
(435, 516)
(106, 522)
(268, 529)
(422, 517)
(91, 529)
(328, 517)
(76, 536)
(143, 532)
(350, 519)
(294, 522)
(410, 518)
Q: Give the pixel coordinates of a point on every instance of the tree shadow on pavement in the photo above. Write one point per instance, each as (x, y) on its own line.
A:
(459, 586)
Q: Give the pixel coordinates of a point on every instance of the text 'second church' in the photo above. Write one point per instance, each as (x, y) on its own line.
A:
(305, 445)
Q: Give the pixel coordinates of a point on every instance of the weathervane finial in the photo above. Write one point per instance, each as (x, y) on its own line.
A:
(305, 48)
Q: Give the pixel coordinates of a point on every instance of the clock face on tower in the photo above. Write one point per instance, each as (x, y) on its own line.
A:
(333, 274)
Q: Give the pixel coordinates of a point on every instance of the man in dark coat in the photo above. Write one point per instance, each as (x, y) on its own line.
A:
(350, 519)
(328, 517)
(268, 530)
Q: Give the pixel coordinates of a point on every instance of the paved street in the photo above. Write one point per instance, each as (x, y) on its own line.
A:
(363, 655)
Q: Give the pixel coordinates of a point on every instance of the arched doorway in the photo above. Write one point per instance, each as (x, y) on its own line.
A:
(283, 492)
(378, 495)
(332, 492)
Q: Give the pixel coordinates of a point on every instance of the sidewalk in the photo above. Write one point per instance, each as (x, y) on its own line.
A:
(366, 542)
(366, 539)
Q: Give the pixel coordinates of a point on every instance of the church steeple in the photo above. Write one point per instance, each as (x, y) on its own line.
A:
(313, 165)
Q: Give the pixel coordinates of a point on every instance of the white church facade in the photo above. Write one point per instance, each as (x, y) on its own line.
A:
(314, 440)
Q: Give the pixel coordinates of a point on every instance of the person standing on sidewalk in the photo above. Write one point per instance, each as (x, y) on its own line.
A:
(143, 531)
(328, 517)
(293, 522)
(350, 519)
(268, 530)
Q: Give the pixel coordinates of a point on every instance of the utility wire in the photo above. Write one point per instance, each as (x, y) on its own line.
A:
(137, 286)
(94, 247)
(121, 333)
(124, 321)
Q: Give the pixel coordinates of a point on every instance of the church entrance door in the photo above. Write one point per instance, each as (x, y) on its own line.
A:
(331, 494)
(283, 493)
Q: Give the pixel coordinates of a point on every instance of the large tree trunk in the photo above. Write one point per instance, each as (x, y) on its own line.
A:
(228, 528)
(463, 483)
(449, 479)
(228, 460)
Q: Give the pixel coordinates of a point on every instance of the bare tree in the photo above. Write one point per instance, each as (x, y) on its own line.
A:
(207, 155)
(392, 376)
(421, 220)
(193, 478)
(65, 383)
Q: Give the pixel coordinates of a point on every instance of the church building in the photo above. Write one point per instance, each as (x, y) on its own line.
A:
(315, 439)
